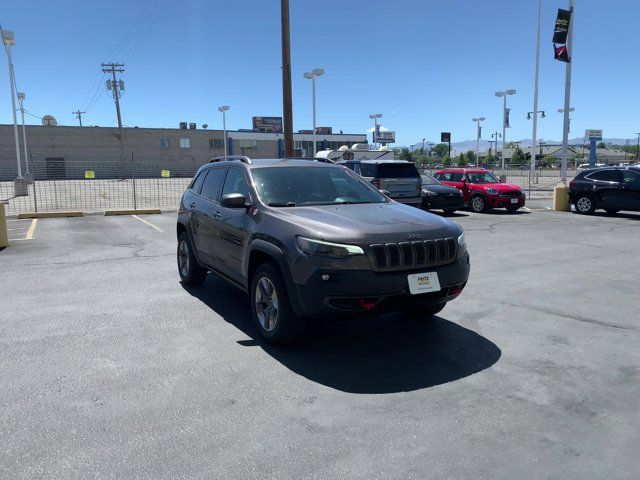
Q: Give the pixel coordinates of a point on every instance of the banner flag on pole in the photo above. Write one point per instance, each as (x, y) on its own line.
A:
(561, 29)
(560, 53)
(506, 117)
(479, 132)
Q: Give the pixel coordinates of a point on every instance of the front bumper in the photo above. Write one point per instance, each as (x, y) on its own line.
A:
(454, 202)
(496, 201)
(413, 201)
(366, 291)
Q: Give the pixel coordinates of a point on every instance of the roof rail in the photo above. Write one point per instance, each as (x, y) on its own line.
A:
(322, 160)
(231, 158)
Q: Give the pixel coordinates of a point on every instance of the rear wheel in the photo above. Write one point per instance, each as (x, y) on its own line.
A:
(270, 307)
(478, 204)
(190, 272)
(449, 211)
(585, 204)
(424, 313)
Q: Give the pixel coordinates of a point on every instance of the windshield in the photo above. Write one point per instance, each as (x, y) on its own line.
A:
(429, 180)
(297, 186)
(482, 177)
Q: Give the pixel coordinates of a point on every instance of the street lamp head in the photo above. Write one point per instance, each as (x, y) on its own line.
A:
(528, 115)
(511, 92)
(543, 115)
(7, 37)
(318, 71)
(21, 96)
(223, 108)
(499, 94)
(308, 75)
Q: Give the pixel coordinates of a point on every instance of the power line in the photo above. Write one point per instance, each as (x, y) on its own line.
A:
(135, 46)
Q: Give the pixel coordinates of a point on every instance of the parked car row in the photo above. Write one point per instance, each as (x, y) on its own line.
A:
(611, 189)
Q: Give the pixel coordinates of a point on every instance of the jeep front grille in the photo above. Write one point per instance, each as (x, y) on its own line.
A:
(408, 255)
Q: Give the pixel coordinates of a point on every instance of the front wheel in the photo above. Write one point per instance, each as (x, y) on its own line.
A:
(478, 204)
(270, 307)
(190, 272)
(449, 211)
(585, 204)
(513, 209)
(424, 313)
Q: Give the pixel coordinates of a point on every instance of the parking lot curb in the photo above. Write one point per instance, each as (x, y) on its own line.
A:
(142, 211)
(51, 214)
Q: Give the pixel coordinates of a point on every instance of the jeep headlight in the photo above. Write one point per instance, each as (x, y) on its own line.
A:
(461, 240)
(327, 249)
(492, 191)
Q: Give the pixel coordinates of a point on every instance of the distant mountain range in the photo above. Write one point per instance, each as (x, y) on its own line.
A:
(524, 143)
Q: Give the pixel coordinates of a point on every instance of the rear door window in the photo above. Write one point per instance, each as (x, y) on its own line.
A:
(213, 183)
(197, 182)
(456, 177)
(368, 169)
(632, 179)
(397, 170)
(606, 176)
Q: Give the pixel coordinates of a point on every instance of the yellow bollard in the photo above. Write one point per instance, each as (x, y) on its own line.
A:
(561, 198)
(4, 238)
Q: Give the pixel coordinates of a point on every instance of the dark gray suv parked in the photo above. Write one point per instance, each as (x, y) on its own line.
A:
(305, 239)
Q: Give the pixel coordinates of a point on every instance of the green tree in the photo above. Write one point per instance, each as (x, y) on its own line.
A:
(461, 160)
(440, 150)
(447, 161)
(517, 157)
(405, 154)
(471, 157)
(602, 145)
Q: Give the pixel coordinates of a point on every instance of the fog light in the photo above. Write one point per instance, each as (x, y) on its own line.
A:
(325, 277)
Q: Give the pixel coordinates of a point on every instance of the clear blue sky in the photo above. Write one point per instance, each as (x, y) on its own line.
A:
(427, 65)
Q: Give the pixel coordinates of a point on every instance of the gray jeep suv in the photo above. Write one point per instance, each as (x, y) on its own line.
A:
(305, 239)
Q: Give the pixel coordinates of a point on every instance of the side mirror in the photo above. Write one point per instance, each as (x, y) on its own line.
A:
(233, 200)
(386, 193)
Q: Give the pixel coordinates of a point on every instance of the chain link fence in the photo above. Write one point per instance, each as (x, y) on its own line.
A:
(96, 182)
(102, 182)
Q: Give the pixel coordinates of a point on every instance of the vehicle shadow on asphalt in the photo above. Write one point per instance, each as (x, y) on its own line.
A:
(381, 354)
(456, 214)
(629, 216)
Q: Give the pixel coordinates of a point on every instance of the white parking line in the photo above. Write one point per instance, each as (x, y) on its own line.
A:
(32, 229)
(148, 223)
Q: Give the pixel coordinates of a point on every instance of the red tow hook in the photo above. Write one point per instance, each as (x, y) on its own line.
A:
(367, 305)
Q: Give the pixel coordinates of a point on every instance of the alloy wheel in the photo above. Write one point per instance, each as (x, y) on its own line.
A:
(183, 258)
(584, 204)
(266, 304)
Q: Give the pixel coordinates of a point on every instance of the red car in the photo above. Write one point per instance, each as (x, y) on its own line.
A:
(482, 190)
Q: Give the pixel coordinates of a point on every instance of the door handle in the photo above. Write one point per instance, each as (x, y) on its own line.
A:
(217, 214)
(192, 205)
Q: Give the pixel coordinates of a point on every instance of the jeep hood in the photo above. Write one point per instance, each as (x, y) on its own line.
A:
(369, 223)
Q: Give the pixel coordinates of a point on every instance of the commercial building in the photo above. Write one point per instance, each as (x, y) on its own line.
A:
(68, 152)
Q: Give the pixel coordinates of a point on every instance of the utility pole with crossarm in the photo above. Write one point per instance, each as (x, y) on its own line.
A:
(115, 86)
(78, 115)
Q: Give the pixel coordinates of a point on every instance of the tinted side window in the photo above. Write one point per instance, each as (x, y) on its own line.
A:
(213, 183)
(605, 176)
(632, 179)
(443, 176)
(197, 182)
(456, 177)
(236, 182)
(398, 170)
(367, 170)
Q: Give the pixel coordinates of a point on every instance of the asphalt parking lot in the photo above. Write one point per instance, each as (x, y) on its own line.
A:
(111, 369)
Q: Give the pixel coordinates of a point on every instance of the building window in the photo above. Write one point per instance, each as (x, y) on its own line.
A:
(185, 143)
(216, 143)
(164, 143)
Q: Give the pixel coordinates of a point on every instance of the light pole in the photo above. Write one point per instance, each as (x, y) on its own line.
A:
(478, 134)
(223, 109)
(7, 39)
(375, 117)
(567, 95)
(21, 97)
(638, 149)
(312, 76)
(534, 133)
(561, 110)
(504, 120)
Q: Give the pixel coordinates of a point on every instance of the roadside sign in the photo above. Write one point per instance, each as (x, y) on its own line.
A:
(165, 173)
(445, 137)
(593, 134)
(89, 174)
(385, 136)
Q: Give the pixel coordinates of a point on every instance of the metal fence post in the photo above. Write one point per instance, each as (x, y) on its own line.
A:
(35, 196)
(133, 175)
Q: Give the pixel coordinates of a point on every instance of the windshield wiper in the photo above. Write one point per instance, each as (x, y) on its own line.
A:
(282, 204)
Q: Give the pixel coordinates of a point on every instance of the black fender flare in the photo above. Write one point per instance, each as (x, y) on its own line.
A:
(183, 220)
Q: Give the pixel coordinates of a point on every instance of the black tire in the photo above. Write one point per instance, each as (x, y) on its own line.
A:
(612, 211)
(281, 326)
(585, 204)
(478, 204)
(449, 211)
(424, 313)
(513, 209)
(191, 273)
